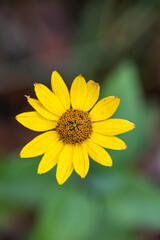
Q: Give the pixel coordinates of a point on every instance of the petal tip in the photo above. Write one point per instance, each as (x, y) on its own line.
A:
(95, 84)
(36, 84)
(39, 172)
(16, 117)
(110, 165)
(133, 125)
(60, 182)
(54, 72)
(20, 155)
(83, 177)
(118, 98)
(28, 97)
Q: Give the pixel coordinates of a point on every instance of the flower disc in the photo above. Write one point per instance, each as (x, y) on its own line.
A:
(74, 126)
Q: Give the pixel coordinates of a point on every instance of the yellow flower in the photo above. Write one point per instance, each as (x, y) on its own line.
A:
(75, 132)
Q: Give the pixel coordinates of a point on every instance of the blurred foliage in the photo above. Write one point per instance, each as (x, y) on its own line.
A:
(105, 32)
(124, 82)
(110, 30)
(111, 203)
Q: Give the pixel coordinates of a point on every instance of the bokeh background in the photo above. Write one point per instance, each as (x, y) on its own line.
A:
(115, 43)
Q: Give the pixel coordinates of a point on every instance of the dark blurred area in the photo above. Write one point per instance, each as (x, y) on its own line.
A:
(115, 43)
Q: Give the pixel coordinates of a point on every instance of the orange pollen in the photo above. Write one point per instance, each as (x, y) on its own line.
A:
(74, 126)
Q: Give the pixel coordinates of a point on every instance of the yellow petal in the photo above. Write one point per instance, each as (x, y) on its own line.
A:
(48, 99)
(65, 164)
(35, 122)
(113, 126)
(50, 158)
(78, 92)
(60, 89)
(98, 153)
(92, 95)
(39, 144)
(105, 108)
(110, 142)
(41, 110)
(81, 160)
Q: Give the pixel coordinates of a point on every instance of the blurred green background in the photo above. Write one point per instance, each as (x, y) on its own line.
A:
(115, 43)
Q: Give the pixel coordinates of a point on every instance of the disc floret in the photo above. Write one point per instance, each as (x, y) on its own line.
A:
(74, 126)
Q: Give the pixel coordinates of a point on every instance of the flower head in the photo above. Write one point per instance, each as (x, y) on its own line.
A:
(74, 125)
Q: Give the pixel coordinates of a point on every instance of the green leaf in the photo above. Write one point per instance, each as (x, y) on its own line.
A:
(136, 205)
(68, 214)
(124, 82)
(131, 201)
(20, 183)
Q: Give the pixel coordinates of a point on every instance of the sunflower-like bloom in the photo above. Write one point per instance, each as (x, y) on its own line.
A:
(74, 125)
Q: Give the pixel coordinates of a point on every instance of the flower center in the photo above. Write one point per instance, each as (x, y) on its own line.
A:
(74, 126)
